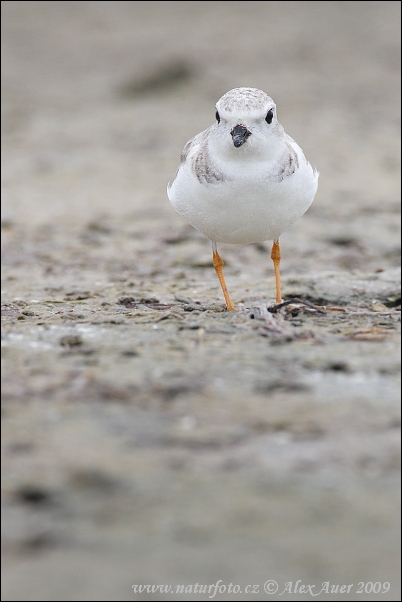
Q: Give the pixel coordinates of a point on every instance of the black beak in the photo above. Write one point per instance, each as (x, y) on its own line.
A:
(239, 135)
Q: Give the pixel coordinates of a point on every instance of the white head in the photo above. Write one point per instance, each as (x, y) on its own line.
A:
(246, 124)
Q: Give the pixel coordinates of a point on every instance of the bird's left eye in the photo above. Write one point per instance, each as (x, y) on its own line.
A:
(218, 119)
(270, 116)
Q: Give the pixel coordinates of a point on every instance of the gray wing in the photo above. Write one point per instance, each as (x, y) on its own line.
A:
(197, 157)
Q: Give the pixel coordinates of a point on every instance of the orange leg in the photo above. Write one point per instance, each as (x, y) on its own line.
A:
(218, 265)
(276, 258)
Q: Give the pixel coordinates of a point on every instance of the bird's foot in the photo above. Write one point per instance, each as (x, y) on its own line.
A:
(296, 301)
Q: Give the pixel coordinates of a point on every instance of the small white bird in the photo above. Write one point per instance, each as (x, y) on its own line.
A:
(243, 179)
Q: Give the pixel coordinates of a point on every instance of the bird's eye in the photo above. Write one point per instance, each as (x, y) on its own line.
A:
(269, 116)
(217, 117)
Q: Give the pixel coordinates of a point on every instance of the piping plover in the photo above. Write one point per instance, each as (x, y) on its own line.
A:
(243, 179)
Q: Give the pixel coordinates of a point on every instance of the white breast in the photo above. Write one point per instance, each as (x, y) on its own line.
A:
(250, 202)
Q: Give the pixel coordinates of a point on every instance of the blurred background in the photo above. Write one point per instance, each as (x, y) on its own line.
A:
(108, 94)
(98, 100)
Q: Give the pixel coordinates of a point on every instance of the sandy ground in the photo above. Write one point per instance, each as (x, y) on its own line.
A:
(150, 437)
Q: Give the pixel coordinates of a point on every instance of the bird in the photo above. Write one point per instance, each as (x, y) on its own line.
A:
(243, 180)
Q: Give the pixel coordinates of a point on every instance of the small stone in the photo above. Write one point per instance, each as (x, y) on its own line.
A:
(71, 340)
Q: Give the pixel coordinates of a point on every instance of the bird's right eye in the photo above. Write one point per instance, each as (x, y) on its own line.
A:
(217, 117)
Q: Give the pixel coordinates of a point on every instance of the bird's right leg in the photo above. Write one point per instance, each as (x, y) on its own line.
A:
(218, 265)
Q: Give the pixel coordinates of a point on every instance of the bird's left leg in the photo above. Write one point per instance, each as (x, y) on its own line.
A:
(218, 265)
(276, 258)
